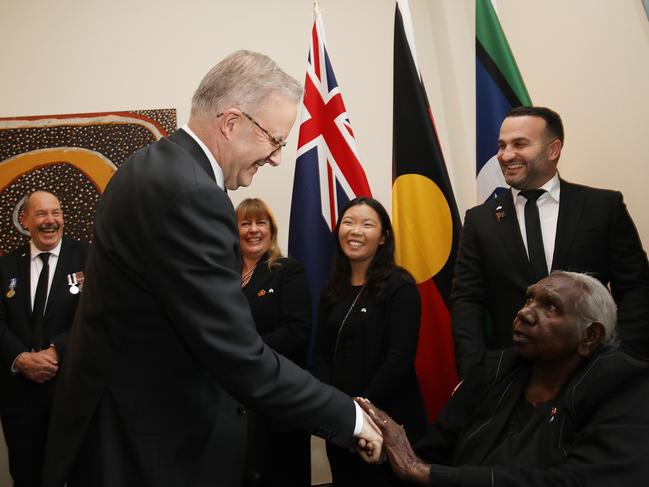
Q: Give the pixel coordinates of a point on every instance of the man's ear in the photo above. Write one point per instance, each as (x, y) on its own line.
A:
(592, 339)
(554, 150)
(228, 122)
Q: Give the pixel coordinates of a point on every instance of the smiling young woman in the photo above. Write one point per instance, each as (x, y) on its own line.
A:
(366, 337)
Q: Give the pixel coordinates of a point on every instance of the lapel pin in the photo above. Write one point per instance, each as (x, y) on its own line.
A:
(12, 288)
(262, 292)
(553, 413)
(363, 310)
(271, 290)
(500, 213)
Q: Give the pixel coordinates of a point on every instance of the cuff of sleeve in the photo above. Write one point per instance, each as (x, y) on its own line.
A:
(358, 427)
(443, 476)
(14, 370)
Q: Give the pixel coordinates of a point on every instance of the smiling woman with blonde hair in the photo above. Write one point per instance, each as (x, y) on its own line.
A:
(278, 294)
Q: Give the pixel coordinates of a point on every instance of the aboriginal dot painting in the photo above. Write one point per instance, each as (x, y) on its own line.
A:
(72, 156)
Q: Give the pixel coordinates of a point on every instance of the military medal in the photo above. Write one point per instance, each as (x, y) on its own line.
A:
(12, 288)
(72, 282)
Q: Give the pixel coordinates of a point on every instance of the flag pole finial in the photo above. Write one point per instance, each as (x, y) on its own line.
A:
(316, 6)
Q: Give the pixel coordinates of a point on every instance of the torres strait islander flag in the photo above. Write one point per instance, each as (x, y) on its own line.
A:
(328, 171)
(425, 217)
(499, 88)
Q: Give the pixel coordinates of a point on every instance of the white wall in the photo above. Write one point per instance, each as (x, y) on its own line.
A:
(588, 59)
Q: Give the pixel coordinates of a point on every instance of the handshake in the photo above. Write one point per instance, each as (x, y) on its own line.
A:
(382, 439)
(369, 443)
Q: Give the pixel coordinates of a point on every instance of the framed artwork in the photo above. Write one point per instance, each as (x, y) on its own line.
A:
(72, 156)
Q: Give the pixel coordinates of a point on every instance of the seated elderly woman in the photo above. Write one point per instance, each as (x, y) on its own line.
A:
(562, 408)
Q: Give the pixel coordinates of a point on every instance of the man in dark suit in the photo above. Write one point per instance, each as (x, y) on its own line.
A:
(34, 328)
(163, 351)
(508, 243)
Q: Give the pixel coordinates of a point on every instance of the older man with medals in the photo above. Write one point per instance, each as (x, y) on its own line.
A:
(41, 286)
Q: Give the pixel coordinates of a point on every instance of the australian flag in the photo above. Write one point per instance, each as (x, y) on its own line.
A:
(328, 171)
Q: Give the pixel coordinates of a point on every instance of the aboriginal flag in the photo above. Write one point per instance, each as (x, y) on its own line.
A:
(425, 217)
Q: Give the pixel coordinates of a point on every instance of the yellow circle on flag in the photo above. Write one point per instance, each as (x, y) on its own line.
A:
(423, 225)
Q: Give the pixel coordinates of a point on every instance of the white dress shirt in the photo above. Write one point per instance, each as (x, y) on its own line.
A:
(548, 204)
(218, 172)
(35, 268)
(36, 265)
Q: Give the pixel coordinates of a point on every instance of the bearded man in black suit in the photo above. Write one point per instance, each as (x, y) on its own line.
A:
(37, 307)
(542, 223)
(164, 352)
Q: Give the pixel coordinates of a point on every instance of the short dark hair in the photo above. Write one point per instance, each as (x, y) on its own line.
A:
(553, 122)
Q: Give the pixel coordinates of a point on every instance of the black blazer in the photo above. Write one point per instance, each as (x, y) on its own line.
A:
(281, 306)
(376, 350)
(593, 433)
(595, 234)
(164, 342)
(15, 315)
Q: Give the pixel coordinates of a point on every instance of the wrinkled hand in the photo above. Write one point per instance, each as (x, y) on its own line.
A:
(38, 366)
(396, 446)
(370, 441)
(50, 354)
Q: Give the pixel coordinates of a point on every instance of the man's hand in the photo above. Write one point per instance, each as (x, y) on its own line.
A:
(38, 366)
(50, 354)
(396, 446)
(370, 441)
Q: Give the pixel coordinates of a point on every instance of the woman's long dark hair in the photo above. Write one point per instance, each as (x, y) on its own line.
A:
(381, 266)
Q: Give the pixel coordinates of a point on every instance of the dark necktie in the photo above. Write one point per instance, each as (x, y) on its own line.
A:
(40, 299)
(534, 235)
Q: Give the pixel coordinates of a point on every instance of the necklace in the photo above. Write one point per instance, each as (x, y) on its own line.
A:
(347, 316)
(245, 277)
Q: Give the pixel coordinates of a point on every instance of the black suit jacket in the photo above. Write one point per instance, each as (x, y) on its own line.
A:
(373, 355)
(281, 306)
(595, 234)
(15, 316)
(164, 341)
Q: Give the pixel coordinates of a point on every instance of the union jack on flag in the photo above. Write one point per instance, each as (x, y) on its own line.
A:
(328, 172)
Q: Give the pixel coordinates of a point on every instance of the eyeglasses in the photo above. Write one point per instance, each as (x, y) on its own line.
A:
(278, 143)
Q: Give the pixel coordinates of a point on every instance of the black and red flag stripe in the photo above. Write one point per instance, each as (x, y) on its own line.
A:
(425, 217)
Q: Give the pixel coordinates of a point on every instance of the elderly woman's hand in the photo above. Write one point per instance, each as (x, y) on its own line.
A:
(396, 446)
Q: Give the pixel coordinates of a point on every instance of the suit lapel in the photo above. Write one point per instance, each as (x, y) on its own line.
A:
(259, 276)
(511, 232)
(24, 281)
(186, 141)
(571, 205)
(59, 281)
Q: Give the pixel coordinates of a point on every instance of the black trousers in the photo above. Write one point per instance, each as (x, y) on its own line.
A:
(25, 432)
(276, 455)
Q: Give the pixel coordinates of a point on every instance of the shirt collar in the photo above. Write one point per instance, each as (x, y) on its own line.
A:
(218, 172)
(34, 251)
(553, 188)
